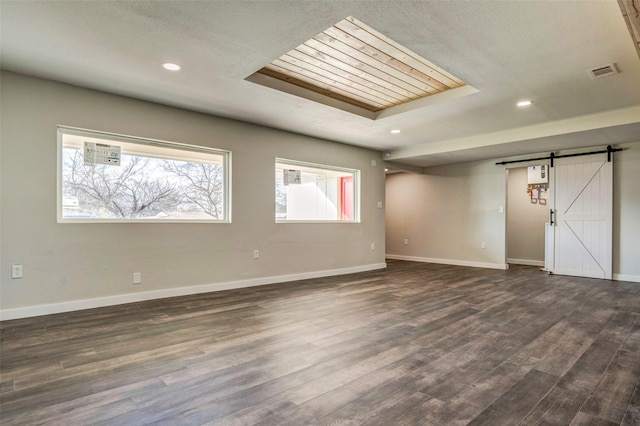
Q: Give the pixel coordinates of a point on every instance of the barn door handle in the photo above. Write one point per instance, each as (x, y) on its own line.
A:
(550, 216)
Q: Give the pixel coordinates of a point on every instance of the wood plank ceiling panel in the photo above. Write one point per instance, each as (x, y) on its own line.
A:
(355, 64)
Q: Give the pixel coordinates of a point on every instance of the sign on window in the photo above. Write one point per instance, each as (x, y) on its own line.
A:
(292, 177)
(100, 153)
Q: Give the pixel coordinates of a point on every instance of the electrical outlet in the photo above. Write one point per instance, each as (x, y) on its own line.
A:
(406, 241)
(483, 245)
(16, 271)
(256, 254)
(137, 277)
(379, 204)
(373, 163)
(373, 246)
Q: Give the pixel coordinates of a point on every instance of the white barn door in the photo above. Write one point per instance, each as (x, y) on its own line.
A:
(582, 197)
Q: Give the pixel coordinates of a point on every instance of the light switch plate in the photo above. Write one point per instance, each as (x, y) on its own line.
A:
(16, 271)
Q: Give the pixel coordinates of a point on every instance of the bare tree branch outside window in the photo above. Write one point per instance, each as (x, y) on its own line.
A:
(142, 187)
(202, 186)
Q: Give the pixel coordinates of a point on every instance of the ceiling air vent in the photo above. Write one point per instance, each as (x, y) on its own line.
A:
(603, 71)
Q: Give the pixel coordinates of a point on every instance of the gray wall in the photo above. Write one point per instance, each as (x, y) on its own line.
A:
(525, 221)
(626, 213)
(78, 262)
(447, 212)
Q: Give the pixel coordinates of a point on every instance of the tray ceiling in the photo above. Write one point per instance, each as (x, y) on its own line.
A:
(353, 63)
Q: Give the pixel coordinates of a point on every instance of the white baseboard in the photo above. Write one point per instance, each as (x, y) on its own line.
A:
(449, 261)
(626, 277)
(526, 262)
(77, 305)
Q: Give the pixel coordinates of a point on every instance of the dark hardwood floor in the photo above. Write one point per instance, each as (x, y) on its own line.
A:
(415, 344)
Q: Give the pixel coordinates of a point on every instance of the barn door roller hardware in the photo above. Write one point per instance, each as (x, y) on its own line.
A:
(610, 150)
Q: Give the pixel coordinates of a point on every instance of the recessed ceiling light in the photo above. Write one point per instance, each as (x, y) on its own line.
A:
(171, 67)
(524, 103)
(395, 131)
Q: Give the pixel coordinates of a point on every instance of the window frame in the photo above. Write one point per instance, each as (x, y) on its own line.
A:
(147, 144)
(356, 173)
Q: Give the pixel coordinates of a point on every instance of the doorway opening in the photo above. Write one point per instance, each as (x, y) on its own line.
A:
(527, 214)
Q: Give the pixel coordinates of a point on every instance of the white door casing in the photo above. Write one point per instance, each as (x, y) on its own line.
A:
(582, 205)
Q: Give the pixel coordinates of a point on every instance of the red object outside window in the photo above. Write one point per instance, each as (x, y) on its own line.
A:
(346, 198)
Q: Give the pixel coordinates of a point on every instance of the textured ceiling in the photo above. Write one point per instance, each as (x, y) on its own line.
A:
(539, 50)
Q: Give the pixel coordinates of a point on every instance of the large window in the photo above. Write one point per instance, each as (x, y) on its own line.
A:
(316, 193)
(113, 178)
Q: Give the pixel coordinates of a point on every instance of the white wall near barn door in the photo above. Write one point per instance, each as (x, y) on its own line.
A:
(626, 213)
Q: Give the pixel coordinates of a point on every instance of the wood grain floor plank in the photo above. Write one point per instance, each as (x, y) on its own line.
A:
(558, 407)
(632, 416)
(93, 407)
(467, 404)
(586, 372)
(514, 405)
(583, 419)
(374, 385)
(561, 346)
(632, 341)
(331, 381)
(613, 393)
